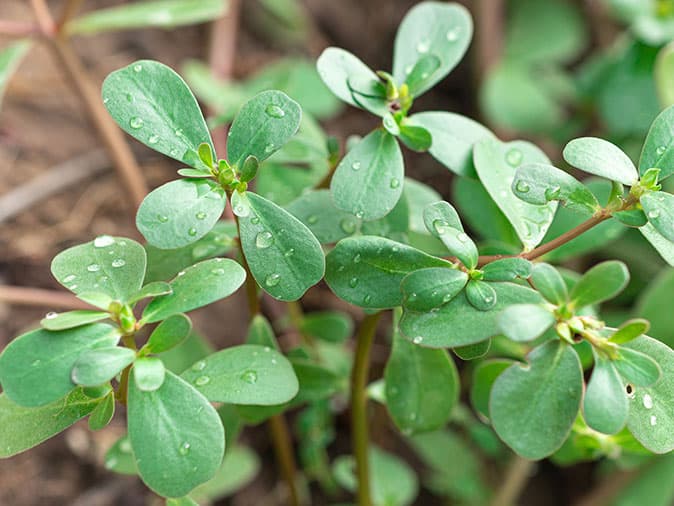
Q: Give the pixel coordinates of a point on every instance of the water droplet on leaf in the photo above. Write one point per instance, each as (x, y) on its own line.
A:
(522, 186)
(184, 448)
(356, 165)
(118, 262)
(103, 240)
(648, 401)
(348, 225)
(514, 157)
(51, 315)
(136, 123)
(272, 279)
(249, 377)
(202, 380)
(423, 46)
(264, 240)
(394, 183)
(353, 282)
(93, 268)
(274, 111)
(199, 366)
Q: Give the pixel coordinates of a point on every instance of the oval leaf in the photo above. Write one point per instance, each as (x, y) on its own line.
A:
(149, 373)
(659, 209)
(427, 289)
(549, 282)
(605, 406)
(95, 367)
(70, 319)
(601, 158)
(602, 282)
(637, 368)
(169, 334)
(524, 322)
(658, 150)
(337, 67)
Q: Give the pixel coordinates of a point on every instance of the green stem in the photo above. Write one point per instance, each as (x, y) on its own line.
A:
(359, 428)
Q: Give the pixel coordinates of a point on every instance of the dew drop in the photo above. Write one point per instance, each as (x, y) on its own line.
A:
(51, 315)
(441, 227)
(408, 69)
(137, 68)
(136, 123)
(219, 272)
(359, 214)
(202, 380)
(93, 268)
(423, 46)
(249, 377)
(103, 241)
(200, 215)
(389, 122)
(462, 237)
(184, 448)
(264, 239)
(199, 366)
(118, 262)
(153, 139)
(447, 297)
(552, 193)
(356, 259)
(356, 165)
(522, 186)
(514, 157)
(255, 220)
(412, 297)
(648, 401)
(367, 299)
(69, 278)
(125, 446)
(348, 226)
(394, 183)
(289, 253)
(274, 111)
(181, 273)
(269, 148)
(129, 97)
(654, 420)
(272, 280)
(312, 219)
(654, 214)
(353, 282)
(192, 232)
(453, 34)
(661, 150)
(417, 340)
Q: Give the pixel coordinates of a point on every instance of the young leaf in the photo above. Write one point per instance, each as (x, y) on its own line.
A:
(152, 103)
(367, 271)
(484, 375)
(600, 157)
(495, 163)
(659, 209)
(481, 295)
(35, 367)
(260, 332)
(284, 256)
(174, 452)
(524, 322)
(440, 215)
(458, 244)
(149, 373)
(102, 415)
(330, 326)
(114, 266)
(197, 286)
(549, 282)
(637, 368)
(472, 351)
(10, 58)
(422, 386)
(658, 150)
(539, 183)
(533, 406)
(507, 269)
(338, 67)
(24, 428)
(431, 28)
(631, 217)
(262, 126)
(180, 212)
(417, 138)
(119, 458)
(459, 323)
(98, 366)
(157, 13)
(246, 374)
(169, 334)
(651, 418)
(629, 330)
(427, 289)
(602, 282)
(70, 319)
(662, 245)
(318, 212)
(453, 138)
(154, 289)
(605, 406)
(368, 181)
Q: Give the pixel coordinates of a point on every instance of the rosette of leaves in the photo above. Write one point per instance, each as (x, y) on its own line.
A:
(644, 206)
(153, 104)
(431, 40)
(80, 363)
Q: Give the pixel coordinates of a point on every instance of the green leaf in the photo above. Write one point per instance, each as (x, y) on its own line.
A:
(197, 286)
(35, 367)
(392, 481)
(283, 255)
(246, 374)
(601, 158)
(495, 163)
(507, 269)
(602, 282)
(337, 67)
(97, 366)
(440, 215)
(239, 467)
(102, 415)
(605, 405)
(662, 245)
(24, 428)
(181, 501)
(114, 266)
(651, 418)
(539, 183)
(425, 66)
(472, 351)
(169, 334)
(427, 289)
(659, 209)
(152, 103)
(368, 181)
(459, 323)
(10, 59)
(481, 295)
(262, 126)
(431, 28)
(484, 375)
(458, 244)
(174, 452)
(180, 212)
(422, 386)
(149, 373)
(330, 326)
(367, 271)
(631, 217)
(654, 305)
(318, 212)
(637, 368)
(70, 319)
(260, 332)
(453, 138)
(533, 406)
(629, 330)
(658, 150)
(316, 382)
(416, 138)
(151, 290)
(525, 322)
(158, 13)
(549, 282)
(119, 458)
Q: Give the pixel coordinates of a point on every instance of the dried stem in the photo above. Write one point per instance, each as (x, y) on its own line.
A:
(69, 11)
(516, 477)
(39, 297)
(359, 427)
(18, 28)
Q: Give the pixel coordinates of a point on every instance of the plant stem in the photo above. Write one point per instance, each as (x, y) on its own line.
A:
(38, 297)
(69, 10)
(359, 428)
(18, 28)
(515, 479)
(251, 284)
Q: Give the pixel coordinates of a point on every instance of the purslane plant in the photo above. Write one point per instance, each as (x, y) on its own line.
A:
(381, 243)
